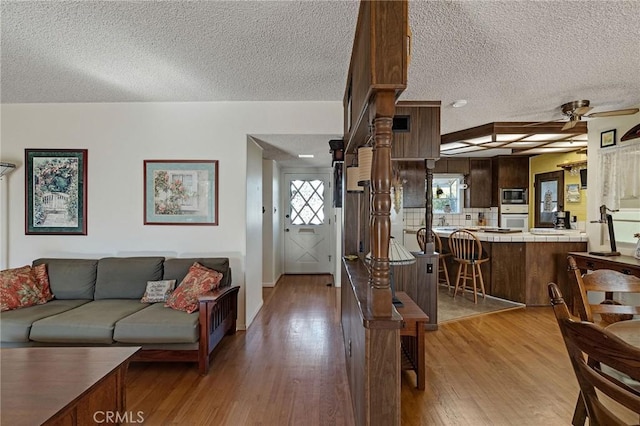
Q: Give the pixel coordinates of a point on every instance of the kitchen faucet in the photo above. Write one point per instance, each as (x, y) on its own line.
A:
(442, 221)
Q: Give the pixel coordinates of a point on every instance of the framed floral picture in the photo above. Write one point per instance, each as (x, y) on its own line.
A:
(180, 192)
(56, 191)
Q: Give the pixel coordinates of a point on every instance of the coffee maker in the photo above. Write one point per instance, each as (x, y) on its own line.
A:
(562, 220)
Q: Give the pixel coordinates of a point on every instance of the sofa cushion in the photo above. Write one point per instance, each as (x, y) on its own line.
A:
(177, 269)
(42, 279)
(157, 324)
(92, 322)
(19, 289)
(198, 281)
(15, 325)
(71, 278)
(126, 277)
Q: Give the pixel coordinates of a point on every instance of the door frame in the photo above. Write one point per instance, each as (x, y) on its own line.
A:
(539, 178)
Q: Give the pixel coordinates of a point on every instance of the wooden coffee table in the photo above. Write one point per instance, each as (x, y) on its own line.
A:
(74, 386)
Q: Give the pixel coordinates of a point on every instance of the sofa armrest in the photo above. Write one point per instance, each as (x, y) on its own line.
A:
(219, 293)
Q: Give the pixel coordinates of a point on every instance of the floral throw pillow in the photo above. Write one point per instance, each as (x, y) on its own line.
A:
(18, 289)
(198, 281)
(42, 281)
(158, 291)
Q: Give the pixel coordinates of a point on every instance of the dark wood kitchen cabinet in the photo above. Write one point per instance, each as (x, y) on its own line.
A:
(413, 176)
(509, 172)
(452, 165)
(479, 191)
(416, 130)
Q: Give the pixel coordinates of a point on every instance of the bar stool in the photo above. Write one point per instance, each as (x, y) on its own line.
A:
(467, 251)
(421, 235)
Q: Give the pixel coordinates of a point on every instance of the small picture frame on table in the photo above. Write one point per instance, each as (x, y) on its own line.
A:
(55, 191)
(181, 192)
(608, 138)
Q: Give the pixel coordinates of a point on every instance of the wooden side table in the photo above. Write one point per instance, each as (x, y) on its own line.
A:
(412, 337)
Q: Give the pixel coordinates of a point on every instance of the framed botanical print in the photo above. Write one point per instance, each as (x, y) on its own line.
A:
(180, 192)
(608, 138)
(56, 191)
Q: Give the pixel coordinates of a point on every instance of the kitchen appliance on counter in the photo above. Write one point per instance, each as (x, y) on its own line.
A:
(562, 220)
(516, 196)
(514, 216)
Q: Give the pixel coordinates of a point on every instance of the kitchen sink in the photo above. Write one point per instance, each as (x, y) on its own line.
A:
(445, 228)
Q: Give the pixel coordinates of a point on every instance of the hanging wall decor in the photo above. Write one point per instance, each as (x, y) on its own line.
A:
(180, 192)
(56, 191)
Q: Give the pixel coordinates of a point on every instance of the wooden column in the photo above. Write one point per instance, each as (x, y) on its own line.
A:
(380, 224)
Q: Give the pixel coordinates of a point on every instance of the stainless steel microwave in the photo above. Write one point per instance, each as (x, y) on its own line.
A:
(513, 196)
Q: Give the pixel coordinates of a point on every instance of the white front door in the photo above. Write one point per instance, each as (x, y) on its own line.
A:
(307, 237)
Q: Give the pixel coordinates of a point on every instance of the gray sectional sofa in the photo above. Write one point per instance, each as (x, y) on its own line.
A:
(97, 302)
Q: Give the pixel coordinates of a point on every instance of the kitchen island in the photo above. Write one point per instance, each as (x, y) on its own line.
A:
(521, 264)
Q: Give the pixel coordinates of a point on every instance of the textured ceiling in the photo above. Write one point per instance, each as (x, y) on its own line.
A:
(511, 60)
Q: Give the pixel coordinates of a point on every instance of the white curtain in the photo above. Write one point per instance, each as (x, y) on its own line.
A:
(620, 172)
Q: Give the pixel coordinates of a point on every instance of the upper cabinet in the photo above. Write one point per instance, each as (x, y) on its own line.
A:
(479, 193)
(509, 172)
(452, 165)
(416, 130)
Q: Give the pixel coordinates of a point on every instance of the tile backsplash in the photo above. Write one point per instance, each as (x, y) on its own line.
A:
(414, 217)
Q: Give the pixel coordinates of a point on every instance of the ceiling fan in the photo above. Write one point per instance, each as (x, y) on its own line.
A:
(576, 110)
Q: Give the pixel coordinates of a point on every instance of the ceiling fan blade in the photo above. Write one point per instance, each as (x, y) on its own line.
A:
(628, 111)
(542, 123)
(582, 110)
(570, 125)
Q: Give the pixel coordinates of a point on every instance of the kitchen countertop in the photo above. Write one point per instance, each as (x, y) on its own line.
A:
(541, 236)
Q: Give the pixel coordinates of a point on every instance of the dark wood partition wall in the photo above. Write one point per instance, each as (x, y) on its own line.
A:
(370, 323)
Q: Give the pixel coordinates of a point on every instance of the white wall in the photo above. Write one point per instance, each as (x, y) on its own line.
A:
(253, 293)
(597, 233)
(277, 246)
(271, 228)
(267, 220)
(119, 136)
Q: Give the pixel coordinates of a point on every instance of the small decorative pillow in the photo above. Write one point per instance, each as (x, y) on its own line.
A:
(18, 289)
(42, 281)
(198, 281)
(158, 291)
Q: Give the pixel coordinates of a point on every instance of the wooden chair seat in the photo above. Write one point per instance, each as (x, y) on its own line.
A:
(466, 249)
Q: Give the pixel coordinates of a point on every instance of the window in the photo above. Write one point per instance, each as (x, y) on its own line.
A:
(306, 203)
(447, 193)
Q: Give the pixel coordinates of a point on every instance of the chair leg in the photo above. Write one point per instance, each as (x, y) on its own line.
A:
(484, 293)
(446, 273)
(580, 412)
(475, 290)
(465, 277)
(455, 290)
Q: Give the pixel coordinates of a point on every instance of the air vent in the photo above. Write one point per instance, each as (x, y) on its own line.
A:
(401, 123)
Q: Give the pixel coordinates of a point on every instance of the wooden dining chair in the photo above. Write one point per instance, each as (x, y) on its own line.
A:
(604, 281)
(608, 282)
(466, 249)
(590, 347)
(443, 273)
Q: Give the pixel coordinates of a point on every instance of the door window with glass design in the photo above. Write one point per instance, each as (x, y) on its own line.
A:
(306, 202)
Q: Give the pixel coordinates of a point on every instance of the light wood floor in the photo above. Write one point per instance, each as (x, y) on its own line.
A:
(506, 368)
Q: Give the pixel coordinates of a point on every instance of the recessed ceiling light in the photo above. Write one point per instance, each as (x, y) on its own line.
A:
(459, 103)
(305, 155)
